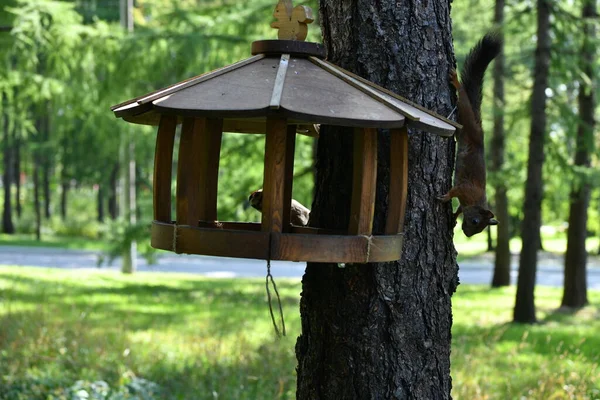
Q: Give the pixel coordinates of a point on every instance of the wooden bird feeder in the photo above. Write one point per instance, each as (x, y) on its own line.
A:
(282, 90)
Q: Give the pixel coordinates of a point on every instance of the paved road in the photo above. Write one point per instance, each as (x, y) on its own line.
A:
(474, 272)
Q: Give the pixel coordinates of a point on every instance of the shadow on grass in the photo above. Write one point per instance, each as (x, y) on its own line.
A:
(221, 304)
(556, 334)
(197, 338)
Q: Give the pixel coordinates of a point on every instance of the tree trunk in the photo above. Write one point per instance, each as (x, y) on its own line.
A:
(45, 162)
(64, 192)
(129, 255)
(575, 284)
(7, 214)
(17, 171)
(502, 260)
(113, 208)
(46, 183)
(36, 199)
(530, 228)
(490, 242)
(100, 204)
(382, 331)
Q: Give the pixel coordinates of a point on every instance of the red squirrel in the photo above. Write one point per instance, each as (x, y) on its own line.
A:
(470, 176)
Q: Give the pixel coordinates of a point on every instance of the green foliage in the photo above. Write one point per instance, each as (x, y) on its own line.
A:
(562, 110)
(202, 338)
(119, 235)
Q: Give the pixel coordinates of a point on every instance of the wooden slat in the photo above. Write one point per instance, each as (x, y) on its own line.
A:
(307, 230)
(279, 82)
(163, 164)
(256, 227)
(188, 171)
(292, 247)
(241, 226)
(364, 181)
(207, 155)
(336, 249)
(274, 176)
(210, 242)
(398, 181)
(288, 181)
(319, 248)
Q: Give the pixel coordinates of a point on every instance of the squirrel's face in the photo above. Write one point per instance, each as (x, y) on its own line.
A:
(476, 219)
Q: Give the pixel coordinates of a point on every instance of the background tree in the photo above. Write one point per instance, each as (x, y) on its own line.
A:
(501, 275)
(575, 283)
(377, 325)
(530, 228)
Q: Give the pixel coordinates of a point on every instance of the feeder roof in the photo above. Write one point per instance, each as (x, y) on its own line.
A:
(295, 85)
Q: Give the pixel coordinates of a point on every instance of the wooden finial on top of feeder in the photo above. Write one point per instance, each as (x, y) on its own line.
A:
(292, 22)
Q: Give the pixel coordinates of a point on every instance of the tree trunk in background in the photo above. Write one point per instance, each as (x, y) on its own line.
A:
(100, 204)
(36, 198)
(7, 214)
(382, 331)
(113, 209)
(490, 242)
(129, 255)
(17, 171)
(502, 260)
(530, 229)
(575, 283)
(64, 192)
(46, 183)
(45, 162)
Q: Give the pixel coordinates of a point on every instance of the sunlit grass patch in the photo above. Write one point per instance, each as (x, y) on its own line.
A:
(201, 338)
(494, 359)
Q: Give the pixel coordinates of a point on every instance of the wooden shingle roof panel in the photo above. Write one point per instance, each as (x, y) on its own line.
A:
(313, 92)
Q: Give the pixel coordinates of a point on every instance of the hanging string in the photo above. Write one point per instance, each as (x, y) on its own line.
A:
(270, 277)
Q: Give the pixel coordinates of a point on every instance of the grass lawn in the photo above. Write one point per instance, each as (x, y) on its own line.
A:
(212, 339)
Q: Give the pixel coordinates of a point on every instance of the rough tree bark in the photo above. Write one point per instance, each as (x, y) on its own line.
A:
(575, 283)
(7, 212)
(524, 311)
(502, 261)
(382, 331)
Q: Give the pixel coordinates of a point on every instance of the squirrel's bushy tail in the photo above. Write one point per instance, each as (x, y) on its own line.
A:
(474, 68)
